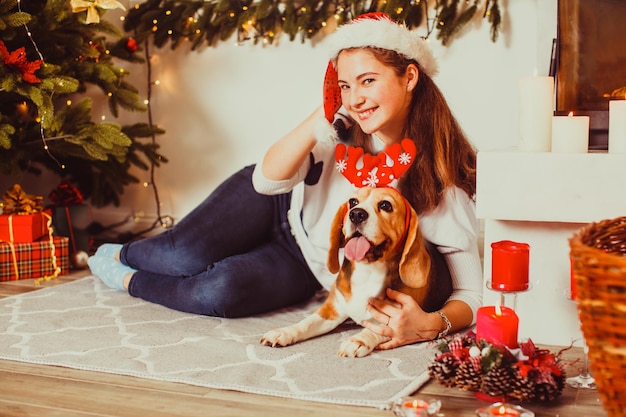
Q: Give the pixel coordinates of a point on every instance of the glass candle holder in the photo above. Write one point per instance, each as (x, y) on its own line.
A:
(504, 410)
(415, 407)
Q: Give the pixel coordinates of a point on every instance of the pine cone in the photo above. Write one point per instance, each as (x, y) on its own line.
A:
(522, 389)
(444, 369)
(498, 381)
(548, 391)
(468, 378)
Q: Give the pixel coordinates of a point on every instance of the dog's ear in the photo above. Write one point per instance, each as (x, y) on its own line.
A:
(415, 261)
(337, 239)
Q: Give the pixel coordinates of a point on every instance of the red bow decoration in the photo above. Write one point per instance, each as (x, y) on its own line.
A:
(17, 61)
(374, 171)
(541, 360)
(66, 194)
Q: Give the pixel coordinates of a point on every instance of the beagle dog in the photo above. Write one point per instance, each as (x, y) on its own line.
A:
(383, 247)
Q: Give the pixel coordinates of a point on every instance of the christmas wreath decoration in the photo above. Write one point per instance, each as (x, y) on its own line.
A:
(523, 374)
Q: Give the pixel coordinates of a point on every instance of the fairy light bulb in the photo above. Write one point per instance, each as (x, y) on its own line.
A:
(167, 222)
(137, 216)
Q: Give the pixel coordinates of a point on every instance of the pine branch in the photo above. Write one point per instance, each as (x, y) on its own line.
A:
(207, 23)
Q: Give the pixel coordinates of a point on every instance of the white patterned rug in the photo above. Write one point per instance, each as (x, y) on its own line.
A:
(84, 325)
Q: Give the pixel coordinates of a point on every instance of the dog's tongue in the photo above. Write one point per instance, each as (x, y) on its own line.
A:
(356, 248)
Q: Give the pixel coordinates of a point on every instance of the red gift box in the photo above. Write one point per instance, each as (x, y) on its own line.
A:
(22, 228)
(33, 259)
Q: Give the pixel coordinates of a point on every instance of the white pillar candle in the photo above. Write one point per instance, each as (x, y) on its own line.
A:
(536, 97)
(570, 134)
(617, 126)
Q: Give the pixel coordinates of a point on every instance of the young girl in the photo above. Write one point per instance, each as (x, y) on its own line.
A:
(259, 242)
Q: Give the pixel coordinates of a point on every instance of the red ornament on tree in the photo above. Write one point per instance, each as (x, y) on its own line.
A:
(131, 45)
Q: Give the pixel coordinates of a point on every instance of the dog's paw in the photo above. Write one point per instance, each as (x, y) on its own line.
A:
(278, 338)
(353, 348)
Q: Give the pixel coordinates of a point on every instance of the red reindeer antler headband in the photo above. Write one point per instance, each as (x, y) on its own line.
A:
(366, 170)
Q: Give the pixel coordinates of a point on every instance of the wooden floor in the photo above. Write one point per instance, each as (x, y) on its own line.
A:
(33, 390)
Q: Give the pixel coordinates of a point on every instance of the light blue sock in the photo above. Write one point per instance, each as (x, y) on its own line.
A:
(110, 271)
(109, 250)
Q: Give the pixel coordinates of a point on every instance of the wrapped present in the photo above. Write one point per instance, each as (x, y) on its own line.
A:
(24, 228)
(23, 218)
(45, 258)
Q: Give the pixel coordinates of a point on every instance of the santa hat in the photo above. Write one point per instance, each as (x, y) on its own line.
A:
(377, 30)
(370, 30)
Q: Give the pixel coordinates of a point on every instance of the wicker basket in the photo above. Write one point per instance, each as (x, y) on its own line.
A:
(598, 253)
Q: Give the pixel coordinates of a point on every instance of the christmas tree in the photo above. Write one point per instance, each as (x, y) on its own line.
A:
(52, 52)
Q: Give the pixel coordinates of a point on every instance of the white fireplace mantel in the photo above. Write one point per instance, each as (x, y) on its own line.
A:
(542, 199)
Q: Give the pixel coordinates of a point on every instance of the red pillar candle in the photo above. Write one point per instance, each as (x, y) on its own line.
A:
(497, 325)
(509, 266)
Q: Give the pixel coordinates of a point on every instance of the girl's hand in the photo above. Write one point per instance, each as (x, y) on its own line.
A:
(402, 319)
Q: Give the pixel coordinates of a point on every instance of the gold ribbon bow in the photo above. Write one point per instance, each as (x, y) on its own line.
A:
(92, 8)
(16, 201)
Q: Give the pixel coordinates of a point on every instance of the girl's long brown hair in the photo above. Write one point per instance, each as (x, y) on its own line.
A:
(445, 157)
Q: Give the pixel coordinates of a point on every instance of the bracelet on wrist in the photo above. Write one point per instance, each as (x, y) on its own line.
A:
(445, 331)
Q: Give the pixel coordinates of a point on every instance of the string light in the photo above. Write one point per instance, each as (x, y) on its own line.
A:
(165, 222)
(39, 119)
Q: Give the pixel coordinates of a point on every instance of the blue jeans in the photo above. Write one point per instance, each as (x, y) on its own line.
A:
(232, 256)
